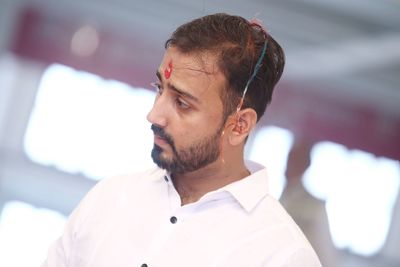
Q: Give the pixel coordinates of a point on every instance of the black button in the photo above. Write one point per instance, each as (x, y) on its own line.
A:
(173, 219)
(143, 265)
(166, 178)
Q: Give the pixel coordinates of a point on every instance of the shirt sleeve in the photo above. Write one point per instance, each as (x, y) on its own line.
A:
(60, 252)
(56, 255)
(303, 258)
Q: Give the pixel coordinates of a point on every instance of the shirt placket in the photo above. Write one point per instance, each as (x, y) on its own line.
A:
(167, 227)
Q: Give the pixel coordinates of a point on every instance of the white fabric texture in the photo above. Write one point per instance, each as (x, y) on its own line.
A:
(126, 221)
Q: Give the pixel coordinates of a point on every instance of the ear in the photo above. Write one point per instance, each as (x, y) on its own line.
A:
(243, 122)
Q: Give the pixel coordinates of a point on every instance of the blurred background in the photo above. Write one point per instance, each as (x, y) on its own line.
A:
(74, 93)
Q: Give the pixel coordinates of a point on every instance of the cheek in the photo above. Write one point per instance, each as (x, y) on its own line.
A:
(187, 135)
(214, 122)
(195, 128)
(200, 130)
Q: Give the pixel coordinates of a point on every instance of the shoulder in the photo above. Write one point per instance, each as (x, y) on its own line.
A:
(109, 192)
(289, 240)
(303, 257)
(271, 211)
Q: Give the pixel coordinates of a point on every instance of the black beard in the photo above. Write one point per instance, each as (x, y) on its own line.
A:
(189, 159)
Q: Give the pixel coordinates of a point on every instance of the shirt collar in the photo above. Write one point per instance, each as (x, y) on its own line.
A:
(247, 191)
(251, 189)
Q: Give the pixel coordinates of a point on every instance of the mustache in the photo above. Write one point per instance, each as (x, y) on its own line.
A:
(161, 133)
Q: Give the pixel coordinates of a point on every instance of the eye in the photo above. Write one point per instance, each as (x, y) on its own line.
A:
(182, 104)
(158, 87)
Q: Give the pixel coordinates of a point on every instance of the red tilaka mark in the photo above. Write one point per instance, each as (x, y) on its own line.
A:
(168, 70)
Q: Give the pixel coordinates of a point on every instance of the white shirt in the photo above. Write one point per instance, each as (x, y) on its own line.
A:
(138, 220)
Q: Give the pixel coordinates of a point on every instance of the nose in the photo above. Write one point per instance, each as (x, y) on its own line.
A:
(157, 115)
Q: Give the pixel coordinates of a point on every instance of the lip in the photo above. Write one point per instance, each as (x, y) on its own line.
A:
(159, 140)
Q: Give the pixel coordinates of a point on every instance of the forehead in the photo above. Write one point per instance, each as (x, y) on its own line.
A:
(196, 72)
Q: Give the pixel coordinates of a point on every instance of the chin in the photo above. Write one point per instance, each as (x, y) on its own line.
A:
(160, 158)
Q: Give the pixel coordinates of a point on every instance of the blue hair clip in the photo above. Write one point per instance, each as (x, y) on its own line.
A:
(256, 68)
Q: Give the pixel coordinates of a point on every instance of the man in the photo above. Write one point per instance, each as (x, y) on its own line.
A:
(203, 205)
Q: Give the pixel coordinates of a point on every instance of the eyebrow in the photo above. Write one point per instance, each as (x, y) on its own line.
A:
(177, 90)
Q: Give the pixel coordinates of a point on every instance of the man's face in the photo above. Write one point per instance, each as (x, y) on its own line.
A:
(187, 113)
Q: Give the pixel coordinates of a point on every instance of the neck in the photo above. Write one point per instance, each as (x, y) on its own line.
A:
(193, 185)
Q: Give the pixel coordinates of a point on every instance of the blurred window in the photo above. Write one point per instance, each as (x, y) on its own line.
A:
(82, 123)
(26, 232)
(360, 191)
(270, 147)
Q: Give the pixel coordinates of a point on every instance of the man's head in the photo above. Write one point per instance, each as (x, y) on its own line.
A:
(201, 80)
(237, 44)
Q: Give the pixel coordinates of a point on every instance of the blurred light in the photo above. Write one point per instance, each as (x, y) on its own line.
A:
(26, 234)
(360, 191)
(82, 123)
(85, 41)
(271, 147)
